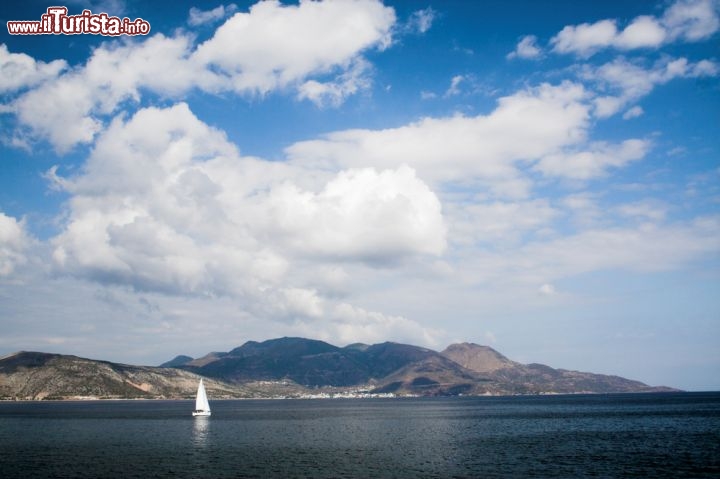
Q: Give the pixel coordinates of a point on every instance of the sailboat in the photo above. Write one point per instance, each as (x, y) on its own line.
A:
(202, 407)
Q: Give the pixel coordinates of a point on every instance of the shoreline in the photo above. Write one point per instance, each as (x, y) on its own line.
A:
(341, 397)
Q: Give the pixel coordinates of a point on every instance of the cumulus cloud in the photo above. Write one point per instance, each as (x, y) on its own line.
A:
(351, 324)
(13, 243)
(167, 204)
(69, 109)
(318, 52)
(364, 214)
(527, 125)
(691, 20)
(643, 32)
(526, 48)
(688, 20)
(273, 46)
(20, 71)
(586, 38)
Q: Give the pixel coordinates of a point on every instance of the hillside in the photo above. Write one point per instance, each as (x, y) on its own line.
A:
(33, 375)
(463, 368)
(502, 374)
(292, 367)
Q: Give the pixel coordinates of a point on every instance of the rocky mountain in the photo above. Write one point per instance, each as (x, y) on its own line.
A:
(481, 359)
(297, 366)
(433, 375)
(502, 374)
(400, 368)
(176, 361)
(308, 362)
(33, 375)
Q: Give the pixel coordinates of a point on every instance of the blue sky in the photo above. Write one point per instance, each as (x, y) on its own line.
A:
(541, 177)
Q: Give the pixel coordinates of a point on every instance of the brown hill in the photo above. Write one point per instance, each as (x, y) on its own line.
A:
(481, 359)
(33, 375)
(297, 366)
(433, 375)
(511, 377)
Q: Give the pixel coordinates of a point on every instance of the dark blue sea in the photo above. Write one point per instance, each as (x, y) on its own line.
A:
(644, 435)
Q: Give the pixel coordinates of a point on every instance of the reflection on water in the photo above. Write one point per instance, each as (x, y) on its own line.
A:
(201, 430)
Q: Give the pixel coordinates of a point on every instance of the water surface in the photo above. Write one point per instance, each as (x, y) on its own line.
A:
(649, 435)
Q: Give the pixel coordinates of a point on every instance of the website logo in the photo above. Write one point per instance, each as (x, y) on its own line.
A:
(57, 22)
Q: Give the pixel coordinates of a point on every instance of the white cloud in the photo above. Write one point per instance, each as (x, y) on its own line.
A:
(299, 302)
(643, 32)
(705, 68)
(369, 215)
(165, 203)
(145, 206)
(334, 92)
(650, 210)
(593, 162)
(691, 20)
(526, 48)
(629, 81)
(584, 209)
(59, 111)
(69, 109)
(525, 126)
(454, 88)
(319, 52)
(633, 112)
(13, 243)
(490, 337)
(688, 20)
(499, 224)
(19, 71)
(421, 20)
(273, 46)
(350, 324)
(547, 289)
(586, 38)
(197, 17)
(646, 248)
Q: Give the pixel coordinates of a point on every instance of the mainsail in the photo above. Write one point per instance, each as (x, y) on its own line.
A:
(202, 407)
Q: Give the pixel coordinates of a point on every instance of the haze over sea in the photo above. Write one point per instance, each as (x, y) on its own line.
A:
(640, 435)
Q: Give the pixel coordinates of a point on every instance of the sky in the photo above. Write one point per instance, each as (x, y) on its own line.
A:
(542, 177)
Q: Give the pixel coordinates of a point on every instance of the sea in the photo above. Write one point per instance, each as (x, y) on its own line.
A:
(626, 435)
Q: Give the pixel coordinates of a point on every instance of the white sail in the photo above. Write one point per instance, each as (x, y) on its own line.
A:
(202, 407)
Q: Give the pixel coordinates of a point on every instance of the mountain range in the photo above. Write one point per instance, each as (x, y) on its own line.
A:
(293, 367)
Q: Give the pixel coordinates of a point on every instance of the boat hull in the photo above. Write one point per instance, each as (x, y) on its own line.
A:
(201, 413)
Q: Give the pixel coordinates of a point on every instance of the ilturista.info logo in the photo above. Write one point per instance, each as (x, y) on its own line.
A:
(57, 22)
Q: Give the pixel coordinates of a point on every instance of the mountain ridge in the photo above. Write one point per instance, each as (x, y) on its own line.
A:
(296, 367)
(462, 368)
